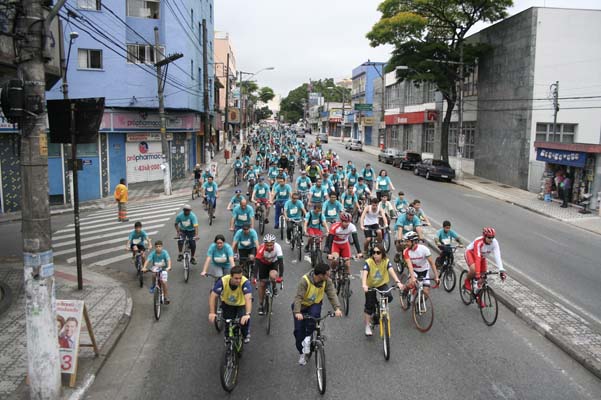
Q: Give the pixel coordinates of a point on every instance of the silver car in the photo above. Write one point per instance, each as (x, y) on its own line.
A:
(354, 144)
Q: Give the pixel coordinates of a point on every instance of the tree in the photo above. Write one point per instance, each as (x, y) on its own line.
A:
(266, 94)
(292, 107)
(429, 38)
(263, 113)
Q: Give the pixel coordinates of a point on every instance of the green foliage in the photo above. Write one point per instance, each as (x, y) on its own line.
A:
(266, 94)
(262, 113)
(293, 106)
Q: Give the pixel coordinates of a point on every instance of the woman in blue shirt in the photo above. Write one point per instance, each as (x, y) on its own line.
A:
(383, 184)
(220, 257)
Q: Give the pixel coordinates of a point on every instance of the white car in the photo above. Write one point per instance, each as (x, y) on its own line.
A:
(354, 144)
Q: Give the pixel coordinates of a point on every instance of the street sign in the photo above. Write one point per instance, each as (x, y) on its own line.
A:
(364, 107)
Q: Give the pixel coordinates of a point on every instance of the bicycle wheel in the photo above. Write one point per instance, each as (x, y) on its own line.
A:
(490, 311)
(405, 300)
(386, 240)
(423, 313)
(186, 267)
(157, 302)
(139, 270)
(466, 295)
(320, 368)
(229, 369)
(400, 267)
(261, 224)
(236, 179)
(299, 247)
(346, 296)
(194, 193)
(268, 311)
(218, 322)
(211, 211)
(449, 279)
(385, 333)
(282, 226)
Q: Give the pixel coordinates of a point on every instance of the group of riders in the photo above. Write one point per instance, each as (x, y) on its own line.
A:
(325, 197)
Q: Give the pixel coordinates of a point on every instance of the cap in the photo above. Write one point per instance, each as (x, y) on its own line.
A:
(187, 207)
(238, 191)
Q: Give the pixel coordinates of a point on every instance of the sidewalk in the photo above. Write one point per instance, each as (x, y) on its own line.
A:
(138, 192)
(109, 305)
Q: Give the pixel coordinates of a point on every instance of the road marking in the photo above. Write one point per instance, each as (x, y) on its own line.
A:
(141, 207)
(106, 225)
(89, 246)
(100, 252)
(124, 234)
(108, 261)
(141, 213)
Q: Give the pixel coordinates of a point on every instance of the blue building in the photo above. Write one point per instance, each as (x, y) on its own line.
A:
(363, 92)
(113, 57)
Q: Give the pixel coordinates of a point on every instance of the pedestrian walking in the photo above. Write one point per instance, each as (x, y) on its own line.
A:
(566, 188)
(121, 197)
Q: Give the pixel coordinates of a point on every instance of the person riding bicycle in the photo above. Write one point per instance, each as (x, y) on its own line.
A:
(280, 194)
(137, 241)
(294, 211)
(326, 182)
(158, 259)
(405, 223)
(284, 162)
(348, 168)
(205, 175)
(220, 258)
(235, 292)
(477, 252)
(352, 177)
(314, 171)
(337, 242)
(368, 174)
(443, 240)
(349, 200)
(318, 192)
(241, 215)
(362, 190)
(269, 262)
(383, 184)
(186, 226)
(332, 209)
(261, 195)
(246, 243)
(401, 203)
(376, 273)
(314, 222)
(237, 166)
(419, 211)
(209, 191)
(419, 262)
(235, 200)
(370, 222)
(386, 205)
(303, 183)
(308, 300)
(272, 173)
(197, 175)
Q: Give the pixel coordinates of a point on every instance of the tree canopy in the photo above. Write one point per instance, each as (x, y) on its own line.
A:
(293, 106)
(429, 36)
(266, 94)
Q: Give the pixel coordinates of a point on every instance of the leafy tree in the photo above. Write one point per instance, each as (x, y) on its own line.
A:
(266, 94)
(428, 37)
(262, 113)
(293, 106)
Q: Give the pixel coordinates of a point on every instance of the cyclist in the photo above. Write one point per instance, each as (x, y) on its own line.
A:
(197, 176)
(337, 179)
(236, 300)
(280, 194)
(386, 205)
(376, 273)
(205, 175)
(241, 215)
(137, 241)
(349, 200)
(308, 300)
(220, 257)
(326, 181)
(158, 259)
(294, 211)
(235, 200)
(337, 242)
(273, 173)
(237, 166)
(401, 203)
(383, 184)
(476, 253)
(209, 191)
(408, 222)
(332, 208)
(362, 190)
(443, 240)
(352, 177)
(261, 195)
(419, 211)
(314, 171)
(314, 222)
(269, 262)
(368, 175)
(246, 243)
(303, 183)
(186, 226)
(318, 192)
(348, 168)
(419, 261)
(370, 222)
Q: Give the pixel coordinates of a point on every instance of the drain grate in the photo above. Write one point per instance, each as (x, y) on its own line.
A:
(485, 183)
(505, 186)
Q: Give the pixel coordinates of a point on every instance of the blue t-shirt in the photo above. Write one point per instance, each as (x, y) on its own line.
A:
(331, 211)
(407, 224)
(243, 216)
(318, 194)
(210, 189)
(236, 199)
(303, 183)
(348, 200)
(273, 172)
(186, 222)
(348, 168)
(251, 174)
(314, 220)
(220, 257)
(282, 192)
(138, 238)
(401, 205)
(383, 183)
(368, 174)
(246, 241)
(159, 260)
(360, 189)
(293, 209)
(261, 191)
(446, 237)
(237, 164)
(352, 178)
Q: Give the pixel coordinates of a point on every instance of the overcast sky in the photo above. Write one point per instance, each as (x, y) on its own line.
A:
(314, 39)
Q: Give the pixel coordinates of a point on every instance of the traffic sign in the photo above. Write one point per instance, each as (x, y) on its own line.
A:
(364, 107)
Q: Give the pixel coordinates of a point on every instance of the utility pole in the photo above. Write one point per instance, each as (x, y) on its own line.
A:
(227, 97)
(43, 366)
(555, 91)
(383, 108)
(460, 134)
(205, 83)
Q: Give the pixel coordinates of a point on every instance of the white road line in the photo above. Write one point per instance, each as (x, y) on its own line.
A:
(110, 228)
(95, 245)
(123, 234)
(177, 203)
(113, 250)
(108, 261)
(88, 221)
(115, 223)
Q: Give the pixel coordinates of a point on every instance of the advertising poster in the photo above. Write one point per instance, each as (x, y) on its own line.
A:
(143, 158)
(69, 318)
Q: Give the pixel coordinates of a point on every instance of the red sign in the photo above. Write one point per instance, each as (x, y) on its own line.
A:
(335, 119)
(411, 118)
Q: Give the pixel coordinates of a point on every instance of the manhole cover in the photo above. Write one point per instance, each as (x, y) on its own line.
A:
(485, 183)
(505, 186)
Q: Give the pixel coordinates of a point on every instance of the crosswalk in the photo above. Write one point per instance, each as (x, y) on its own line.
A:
(103, 238)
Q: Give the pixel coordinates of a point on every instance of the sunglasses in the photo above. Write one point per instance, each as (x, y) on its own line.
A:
(377, 252)
(490, 237)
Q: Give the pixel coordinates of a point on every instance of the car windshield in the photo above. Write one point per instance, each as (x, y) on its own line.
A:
(440, 163)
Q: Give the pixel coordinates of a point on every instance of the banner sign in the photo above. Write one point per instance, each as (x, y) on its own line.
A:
(364, 107)
(562, 157)
(68, 320)
(233, 115)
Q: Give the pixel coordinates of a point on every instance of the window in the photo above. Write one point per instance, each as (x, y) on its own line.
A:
(564, 133)
(144, 54)
(89, 59)
(87, 149)
(428, 139)
(469, 130)
(143, 8)
(54, 150)
(89, 5)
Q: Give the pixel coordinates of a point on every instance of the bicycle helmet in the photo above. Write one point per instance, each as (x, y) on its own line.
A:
(269, 238)
(345, 217)
(411, 210)
(488, 232)
(411, 235)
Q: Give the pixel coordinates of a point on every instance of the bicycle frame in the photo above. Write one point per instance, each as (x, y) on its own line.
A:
(383, 308)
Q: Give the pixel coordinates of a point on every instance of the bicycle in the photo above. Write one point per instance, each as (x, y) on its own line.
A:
(247, 266)
(211, 208)
(237, 176)
(139, 265)
(373, 234)
(315, 249)
(445, 264)
(196, 189)
(158, 295)
(296, 238)
(317, 347)
(342, 283)
(270, 292)
(279, 206)
(303, 196)
(423, 309)
(483, 294)
(382, 315)
(234, 344)
(218, 320)
(187, 256)
(260, 216)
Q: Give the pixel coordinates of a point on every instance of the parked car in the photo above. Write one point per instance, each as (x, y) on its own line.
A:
(300, 134)
(323, 137)
(409, 160)
(430, 168)
(354, 144)
(390, 156)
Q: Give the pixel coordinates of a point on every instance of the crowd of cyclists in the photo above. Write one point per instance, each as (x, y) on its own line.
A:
(313, 188)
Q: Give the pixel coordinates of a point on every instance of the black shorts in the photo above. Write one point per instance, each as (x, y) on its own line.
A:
(370, 230)
(245, 253)
(265, 269)
(371, 300)
(140, 247)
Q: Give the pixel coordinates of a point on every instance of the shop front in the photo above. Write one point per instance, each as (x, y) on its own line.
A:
(404, 130)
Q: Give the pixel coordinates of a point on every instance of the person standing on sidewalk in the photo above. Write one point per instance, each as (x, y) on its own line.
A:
(121, 197)
(566, 188)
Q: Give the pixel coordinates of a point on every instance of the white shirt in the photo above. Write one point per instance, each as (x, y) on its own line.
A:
(418, 257)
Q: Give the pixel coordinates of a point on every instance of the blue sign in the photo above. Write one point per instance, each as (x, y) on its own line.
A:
(561, 157)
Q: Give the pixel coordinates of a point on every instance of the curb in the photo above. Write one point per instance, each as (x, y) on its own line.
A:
(591, 365)
(6, 297)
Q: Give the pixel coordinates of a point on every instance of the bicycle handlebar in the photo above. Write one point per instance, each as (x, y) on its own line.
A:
(329, 314)
(382, 291)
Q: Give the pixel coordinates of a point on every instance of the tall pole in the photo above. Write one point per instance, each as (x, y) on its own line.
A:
(43, 367)
(555, 88)
(382, 111)
(164, 145)
(227, 97)
(342, 121)
(64, 68)
(205, 82)
(460, 135)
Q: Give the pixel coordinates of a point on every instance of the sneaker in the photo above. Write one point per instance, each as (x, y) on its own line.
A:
(287, 241)
(193, 260)
(266, 221)
(151, 289)
(279, 279)
(180, 257)
(166, 301)
(261, 310)
(307, 345)
(302, 360)
(368, 331)
(468, 285)
(247, 338)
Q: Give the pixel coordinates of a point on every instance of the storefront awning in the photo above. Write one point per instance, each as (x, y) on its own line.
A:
(561, 157)
(418, 117)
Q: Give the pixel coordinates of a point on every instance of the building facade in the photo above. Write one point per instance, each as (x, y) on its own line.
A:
(363, 93)
(223, 48)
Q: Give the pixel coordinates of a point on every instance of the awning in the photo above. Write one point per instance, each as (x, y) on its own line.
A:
(561, 157)
(418, 117)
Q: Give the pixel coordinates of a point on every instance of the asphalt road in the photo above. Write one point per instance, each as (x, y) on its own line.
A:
(179, 356)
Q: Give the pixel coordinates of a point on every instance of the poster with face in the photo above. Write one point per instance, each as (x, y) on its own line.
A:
(68, 320)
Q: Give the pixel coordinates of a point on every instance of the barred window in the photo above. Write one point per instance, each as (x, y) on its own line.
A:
(564, 133)
(428, 139)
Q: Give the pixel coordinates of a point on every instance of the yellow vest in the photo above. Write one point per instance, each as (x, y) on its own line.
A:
(232, 297)
(121, 193)
(314, 294)
(378, 273)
